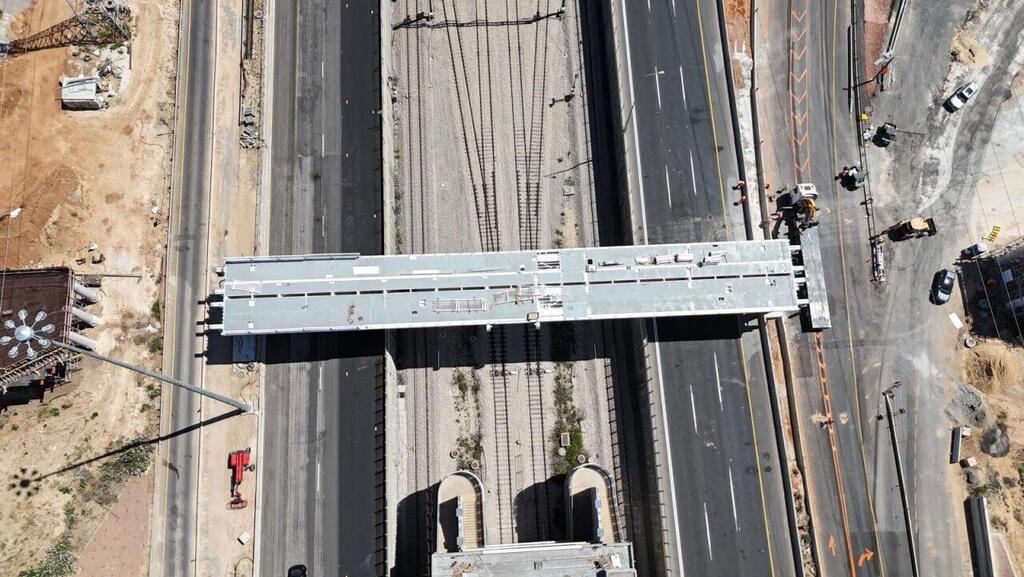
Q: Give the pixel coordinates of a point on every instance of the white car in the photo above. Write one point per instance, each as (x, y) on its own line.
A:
(961, 96)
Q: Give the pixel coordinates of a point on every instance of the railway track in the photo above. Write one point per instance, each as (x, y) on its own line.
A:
(471, 52)
(502, 439)
(538, 433)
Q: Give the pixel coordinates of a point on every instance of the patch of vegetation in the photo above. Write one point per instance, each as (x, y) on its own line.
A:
(48, 412)
(155, 310)
(567, 420)
(156, 345)
(470, 450)
(460, 382)
(60, 560)
(102, 485)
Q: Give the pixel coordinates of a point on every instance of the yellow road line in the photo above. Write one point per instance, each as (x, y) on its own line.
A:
(711, 111)
(757, 457)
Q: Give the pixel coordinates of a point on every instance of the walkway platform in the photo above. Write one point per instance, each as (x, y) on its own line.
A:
(342, 292)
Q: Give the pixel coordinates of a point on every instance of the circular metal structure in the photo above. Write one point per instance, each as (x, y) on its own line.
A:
(26, 334)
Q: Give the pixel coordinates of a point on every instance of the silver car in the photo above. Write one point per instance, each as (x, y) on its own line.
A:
(961, 96)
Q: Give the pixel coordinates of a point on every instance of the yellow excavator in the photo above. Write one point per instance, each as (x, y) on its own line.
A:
(912, 228)
(805, 208)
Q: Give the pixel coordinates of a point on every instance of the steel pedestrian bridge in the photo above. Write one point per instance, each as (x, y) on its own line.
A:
(343, 292)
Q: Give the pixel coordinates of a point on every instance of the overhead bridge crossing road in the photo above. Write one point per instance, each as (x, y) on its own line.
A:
(341, 292)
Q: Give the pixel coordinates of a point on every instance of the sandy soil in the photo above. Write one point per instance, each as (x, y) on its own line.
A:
(737, 24)
(81, 178)
(876, 30)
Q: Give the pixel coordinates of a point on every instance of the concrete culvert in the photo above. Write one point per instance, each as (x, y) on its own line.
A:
(995, 441)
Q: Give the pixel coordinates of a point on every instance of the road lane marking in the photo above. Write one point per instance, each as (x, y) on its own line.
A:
(321, 69)
(693, 175)
(693, 407)
(732, 494)
(668, 450)
(323, 145)
(318, 477)
(648, 7)
(707, 531)
(682, 85)
(718, 381)
(668, 187)
(673, 9)
(657, 85)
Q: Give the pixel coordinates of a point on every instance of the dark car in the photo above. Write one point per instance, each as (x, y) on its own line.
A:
(297, 571)
(942, 286)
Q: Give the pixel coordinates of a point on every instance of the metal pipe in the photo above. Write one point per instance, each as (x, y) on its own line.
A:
(903, 489)
(81, 340)
(158, 376)
(86, 293)
(86, 317)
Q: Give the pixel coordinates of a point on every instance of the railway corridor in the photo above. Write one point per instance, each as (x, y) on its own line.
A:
(492, 145)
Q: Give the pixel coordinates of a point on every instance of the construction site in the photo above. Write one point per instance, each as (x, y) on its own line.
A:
(86, 101)
(492, 142)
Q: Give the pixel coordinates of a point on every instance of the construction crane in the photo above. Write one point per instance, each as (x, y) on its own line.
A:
(96, 22)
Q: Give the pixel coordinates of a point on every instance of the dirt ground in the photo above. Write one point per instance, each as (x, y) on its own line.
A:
(85, 177)
(876, 30)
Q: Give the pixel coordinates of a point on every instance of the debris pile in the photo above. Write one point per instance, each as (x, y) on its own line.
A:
(250, 135)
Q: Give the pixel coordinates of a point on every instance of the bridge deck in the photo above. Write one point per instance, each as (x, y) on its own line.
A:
(319, 293)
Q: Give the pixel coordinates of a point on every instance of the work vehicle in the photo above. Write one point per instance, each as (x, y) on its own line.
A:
(942, 286)
(802, 200)
(961, 96)
(912, 228)
(974, 250)
(297, 571)
(886, 134)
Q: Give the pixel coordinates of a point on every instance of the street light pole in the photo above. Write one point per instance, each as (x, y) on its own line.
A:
(888, 394)
(160, 377)
(632, 106)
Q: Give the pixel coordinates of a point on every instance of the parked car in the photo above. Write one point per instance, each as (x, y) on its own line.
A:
(297, 571)
(961, 96)
(974, 250)
(942, 286)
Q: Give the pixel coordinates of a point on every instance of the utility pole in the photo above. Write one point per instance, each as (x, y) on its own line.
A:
(888, 394)
(160, 377)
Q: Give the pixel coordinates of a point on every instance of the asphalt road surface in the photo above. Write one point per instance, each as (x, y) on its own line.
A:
(728, 500)
(323, 484)
(186, 279)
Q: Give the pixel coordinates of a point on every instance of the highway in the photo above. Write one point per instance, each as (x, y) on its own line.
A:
(186, 283)
(322, 484)
(729, 506)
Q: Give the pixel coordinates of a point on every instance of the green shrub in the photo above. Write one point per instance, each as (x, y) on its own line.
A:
(60, 560)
